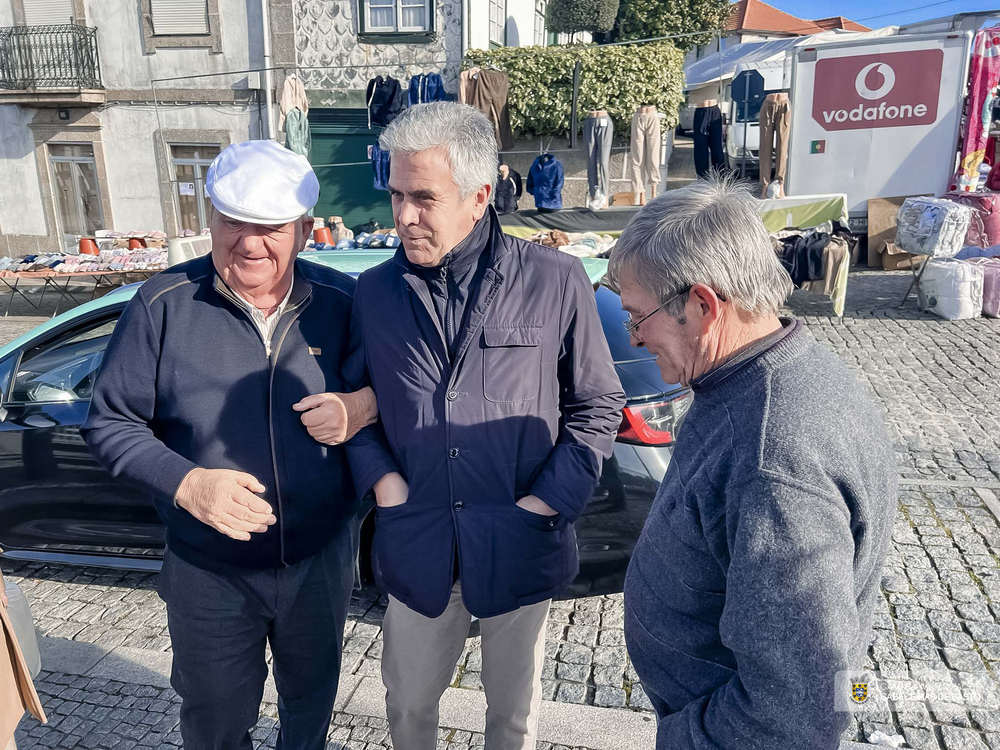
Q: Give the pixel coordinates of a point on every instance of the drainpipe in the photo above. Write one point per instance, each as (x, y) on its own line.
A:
(465, 27)
(268, 83)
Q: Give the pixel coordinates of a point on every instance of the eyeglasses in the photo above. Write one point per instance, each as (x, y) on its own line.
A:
(632, 326)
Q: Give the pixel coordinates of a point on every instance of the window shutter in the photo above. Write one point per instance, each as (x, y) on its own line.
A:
(175, 17)
(45, 12)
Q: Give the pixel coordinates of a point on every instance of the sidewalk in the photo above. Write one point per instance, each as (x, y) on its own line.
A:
(121, 698)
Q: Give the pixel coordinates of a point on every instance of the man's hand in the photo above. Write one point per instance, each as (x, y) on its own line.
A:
(536, 505)
(334, 418)
(224, 500)
(391, 490)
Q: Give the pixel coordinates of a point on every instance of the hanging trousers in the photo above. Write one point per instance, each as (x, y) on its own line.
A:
(775, 120)
(707, 136)
(419, 655)
(644, 151)
(598, 132)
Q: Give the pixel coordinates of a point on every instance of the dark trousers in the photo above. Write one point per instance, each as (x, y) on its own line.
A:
(219, 625)
(707, 136)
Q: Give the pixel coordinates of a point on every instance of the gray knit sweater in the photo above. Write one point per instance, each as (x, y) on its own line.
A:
(755, 577)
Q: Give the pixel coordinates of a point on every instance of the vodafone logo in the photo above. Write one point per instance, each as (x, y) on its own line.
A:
(888, 90)
(888, 81)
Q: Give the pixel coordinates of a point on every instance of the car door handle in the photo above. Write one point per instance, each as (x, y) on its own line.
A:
(3, 414)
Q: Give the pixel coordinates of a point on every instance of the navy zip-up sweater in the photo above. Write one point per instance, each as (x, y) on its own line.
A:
(186, 382)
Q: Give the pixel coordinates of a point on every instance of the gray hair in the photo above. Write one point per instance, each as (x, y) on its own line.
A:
(709, 232)
(462, 131)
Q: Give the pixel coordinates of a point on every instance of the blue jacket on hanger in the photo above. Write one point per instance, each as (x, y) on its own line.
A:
(545, 182)
(426, 88)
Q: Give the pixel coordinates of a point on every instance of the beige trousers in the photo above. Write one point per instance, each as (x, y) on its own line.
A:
(644, 150)
(10, 745)
(419, 656)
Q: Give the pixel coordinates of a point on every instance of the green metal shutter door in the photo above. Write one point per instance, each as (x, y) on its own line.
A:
(338, 136)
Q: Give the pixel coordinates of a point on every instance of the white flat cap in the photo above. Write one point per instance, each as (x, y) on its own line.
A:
(261, 182)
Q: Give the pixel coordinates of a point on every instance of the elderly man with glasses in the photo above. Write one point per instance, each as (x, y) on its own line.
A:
(755, 578)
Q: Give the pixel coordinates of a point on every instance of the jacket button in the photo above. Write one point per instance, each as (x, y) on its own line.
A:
(459, 505)
(453, 453)
(552, 523)
(452, 395)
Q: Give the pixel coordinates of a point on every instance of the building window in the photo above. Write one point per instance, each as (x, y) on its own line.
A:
(540, 22)
(498, 22)
(47, 12)
(179, 17)
(172, 24)
(190, 163)
(389, 16)
(77, 194)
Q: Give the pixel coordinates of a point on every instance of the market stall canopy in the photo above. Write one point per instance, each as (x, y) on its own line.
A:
(722, 66)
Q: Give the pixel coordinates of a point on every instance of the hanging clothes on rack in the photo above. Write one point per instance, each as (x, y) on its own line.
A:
(775, 120)
(293, 96)
(707, 136)
(385, 100)
(380, 167)
(644, 150)
(545, 182)
(598, 133)
(486, 90)
(298, 137)
(508, 190)
(984, 76)
(426, 88)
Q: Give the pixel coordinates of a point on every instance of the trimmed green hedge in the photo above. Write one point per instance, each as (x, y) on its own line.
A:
(616, 78)
(570, 16)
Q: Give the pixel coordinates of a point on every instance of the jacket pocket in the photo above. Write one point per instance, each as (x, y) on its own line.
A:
(512, 361)
(537, 521)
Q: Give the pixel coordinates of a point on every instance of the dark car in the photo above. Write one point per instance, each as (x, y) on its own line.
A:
(57, 504)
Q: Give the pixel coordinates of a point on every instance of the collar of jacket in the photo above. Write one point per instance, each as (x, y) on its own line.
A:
(301, 288)
(494, 242)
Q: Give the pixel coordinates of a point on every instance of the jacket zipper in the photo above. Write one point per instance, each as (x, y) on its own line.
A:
(449, 312)
(270, 414)
(270, 397)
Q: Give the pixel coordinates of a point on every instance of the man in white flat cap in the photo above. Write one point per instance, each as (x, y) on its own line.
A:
(204, 403)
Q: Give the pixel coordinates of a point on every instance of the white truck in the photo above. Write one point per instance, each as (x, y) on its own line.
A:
(877, 118)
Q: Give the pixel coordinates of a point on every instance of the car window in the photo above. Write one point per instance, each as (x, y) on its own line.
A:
(63, 369)
(6, 368)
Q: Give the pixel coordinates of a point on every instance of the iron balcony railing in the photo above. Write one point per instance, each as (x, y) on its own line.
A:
(58, 56)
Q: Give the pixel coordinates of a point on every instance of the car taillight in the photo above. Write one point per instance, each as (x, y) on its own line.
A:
(654, 423)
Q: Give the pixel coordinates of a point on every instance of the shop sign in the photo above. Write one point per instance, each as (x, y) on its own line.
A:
(887, 90)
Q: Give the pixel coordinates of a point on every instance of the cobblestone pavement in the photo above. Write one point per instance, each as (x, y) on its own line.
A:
(96, 713)
(937, 383)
